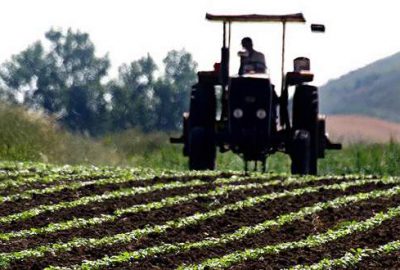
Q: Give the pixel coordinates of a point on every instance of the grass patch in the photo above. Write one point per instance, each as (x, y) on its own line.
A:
(28, 136)
(154, 151)
(31, 136)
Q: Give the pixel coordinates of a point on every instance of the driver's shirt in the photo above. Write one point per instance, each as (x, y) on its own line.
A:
(253, 63)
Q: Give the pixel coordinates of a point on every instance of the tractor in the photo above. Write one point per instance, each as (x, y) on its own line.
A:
(244, 114)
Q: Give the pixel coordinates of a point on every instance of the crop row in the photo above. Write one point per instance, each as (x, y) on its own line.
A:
(61, 174)
(28, 194)
(43, 173)
(169, 201)
(67, 183)
(166, 202)
(19, 181)
(97, 198)
(239, 234)
(32, 169)
(38, 170)
(70, 175)
(309, 242)
(111, 179)
(117, 194)
(178, 223)
(10, 166)
(351, 259)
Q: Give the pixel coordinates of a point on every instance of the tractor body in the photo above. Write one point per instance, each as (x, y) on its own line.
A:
(244, 114)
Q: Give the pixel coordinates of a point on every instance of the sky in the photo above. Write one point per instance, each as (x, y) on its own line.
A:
(358, 32)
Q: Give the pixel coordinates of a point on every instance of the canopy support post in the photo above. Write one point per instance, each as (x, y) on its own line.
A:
(224, 35)
(283, 56)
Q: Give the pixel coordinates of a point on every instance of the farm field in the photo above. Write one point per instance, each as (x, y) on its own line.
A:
(359, 128)
(86, 217)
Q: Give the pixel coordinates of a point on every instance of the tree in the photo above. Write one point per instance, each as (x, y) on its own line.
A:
(180, 68)
(23, 74)
(172, 93)
(132, 95)
(141, 100)
(65, 81)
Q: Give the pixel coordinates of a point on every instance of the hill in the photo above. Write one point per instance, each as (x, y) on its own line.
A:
(373, 90)
(358, 128)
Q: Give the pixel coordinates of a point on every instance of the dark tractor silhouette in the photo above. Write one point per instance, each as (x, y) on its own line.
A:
(244, 114)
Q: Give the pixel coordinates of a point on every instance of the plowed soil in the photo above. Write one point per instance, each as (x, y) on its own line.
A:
(212, 227)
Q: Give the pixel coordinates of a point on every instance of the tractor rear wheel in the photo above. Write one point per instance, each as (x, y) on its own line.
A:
(305, 117)
(300, 152)
(202, 149)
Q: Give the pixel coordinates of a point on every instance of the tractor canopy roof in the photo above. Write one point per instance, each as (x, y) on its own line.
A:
(291, 18)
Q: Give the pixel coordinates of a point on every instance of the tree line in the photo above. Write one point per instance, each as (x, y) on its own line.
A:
(68, 81)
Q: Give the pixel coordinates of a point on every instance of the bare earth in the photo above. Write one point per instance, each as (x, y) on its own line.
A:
(357, 128)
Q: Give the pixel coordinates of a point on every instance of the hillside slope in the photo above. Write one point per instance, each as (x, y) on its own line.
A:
(373, 90)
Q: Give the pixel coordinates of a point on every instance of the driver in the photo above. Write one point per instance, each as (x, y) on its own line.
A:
(251, 61)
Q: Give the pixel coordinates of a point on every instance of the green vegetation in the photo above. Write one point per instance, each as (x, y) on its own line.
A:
(197, 218)
(63, 77)
(169, 201)
(19, 181)
(130, 115)
(75, 97)
(96, 198)
(311, 241)
(61, 110)
(351, 259)
(166, 202)
(28, 136)
(224, 196)
(373, 90)
(154, 151)
(377, 159)
(241, 233)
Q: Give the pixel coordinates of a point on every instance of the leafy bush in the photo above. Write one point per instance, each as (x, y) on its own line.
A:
(31, 136)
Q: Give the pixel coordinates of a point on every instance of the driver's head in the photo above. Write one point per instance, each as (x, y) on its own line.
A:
(247, 43)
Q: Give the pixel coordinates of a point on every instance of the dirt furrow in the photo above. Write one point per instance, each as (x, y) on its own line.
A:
(386, 232)
(129, 222)
(108, 206)
(66, 195)
(210, 228)
(387, 261)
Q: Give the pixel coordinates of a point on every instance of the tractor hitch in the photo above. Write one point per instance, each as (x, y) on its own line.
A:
(177, 140)
(333, 146)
